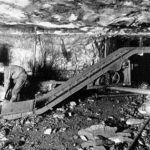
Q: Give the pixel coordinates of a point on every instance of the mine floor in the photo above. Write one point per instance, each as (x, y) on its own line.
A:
(58, 129)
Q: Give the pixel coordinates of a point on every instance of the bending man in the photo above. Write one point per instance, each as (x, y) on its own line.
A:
(14, 79)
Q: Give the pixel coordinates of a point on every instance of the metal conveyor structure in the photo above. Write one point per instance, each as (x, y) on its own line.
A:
(73, 85)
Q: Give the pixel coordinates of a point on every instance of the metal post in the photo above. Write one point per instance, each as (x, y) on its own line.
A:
(105, 50)
(127, 74)
(141, 41)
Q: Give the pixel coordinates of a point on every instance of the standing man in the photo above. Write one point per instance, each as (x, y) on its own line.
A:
(15, 78)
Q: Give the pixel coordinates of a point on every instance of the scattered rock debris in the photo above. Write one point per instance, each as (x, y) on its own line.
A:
(91, 123)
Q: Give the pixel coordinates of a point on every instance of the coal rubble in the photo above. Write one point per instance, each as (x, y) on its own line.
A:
(84, 124)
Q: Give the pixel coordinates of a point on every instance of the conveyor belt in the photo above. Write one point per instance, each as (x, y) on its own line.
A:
(88, 76)
(78, 82)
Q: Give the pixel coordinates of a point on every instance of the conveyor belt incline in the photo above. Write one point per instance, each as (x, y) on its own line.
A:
(73, 85)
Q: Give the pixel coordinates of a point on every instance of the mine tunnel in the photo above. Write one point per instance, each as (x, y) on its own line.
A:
(85, 89)
(140, 69)
(140, 63)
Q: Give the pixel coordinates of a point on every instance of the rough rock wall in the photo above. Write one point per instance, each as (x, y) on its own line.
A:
(51, 55)
(77, 16)
(17, 50)
(66, 55)
(60, 57)
(70, 53)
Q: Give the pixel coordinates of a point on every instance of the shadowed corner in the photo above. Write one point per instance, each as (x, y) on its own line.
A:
(4, 53)
(4, 57)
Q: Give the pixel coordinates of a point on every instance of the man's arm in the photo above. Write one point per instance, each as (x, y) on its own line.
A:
(6, 80)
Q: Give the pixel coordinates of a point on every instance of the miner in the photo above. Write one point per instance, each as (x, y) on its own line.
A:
(15, 78)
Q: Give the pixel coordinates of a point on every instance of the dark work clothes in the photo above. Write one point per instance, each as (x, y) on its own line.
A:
(14, 78)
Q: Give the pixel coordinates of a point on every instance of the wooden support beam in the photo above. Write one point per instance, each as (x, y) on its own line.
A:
(105, 50)
(34, 53)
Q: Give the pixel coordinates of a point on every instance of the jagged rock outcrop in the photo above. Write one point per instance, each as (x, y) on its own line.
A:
(68, 35)
(76, 16)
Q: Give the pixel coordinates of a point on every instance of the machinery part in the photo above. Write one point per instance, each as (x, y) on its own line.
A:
(82, 80)
(115, 77)
(104, 79)
(143, 86)
(110, 77)
(126, 70)
(88, 76)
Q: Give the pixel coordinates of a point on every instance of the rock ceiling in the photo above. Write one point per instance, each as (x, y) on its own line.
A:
(76, 16)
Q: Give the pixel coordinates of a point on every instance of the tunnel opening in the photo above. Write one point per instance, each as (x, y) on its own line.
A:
(140, 69)
(140, 65)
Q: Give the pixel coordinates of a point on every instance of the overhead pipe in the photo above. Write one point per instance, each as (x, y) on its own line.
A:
(132, 90)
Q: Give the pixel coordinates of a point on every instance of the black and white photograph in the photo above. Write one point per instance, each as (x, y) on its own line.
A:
(74, 74)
